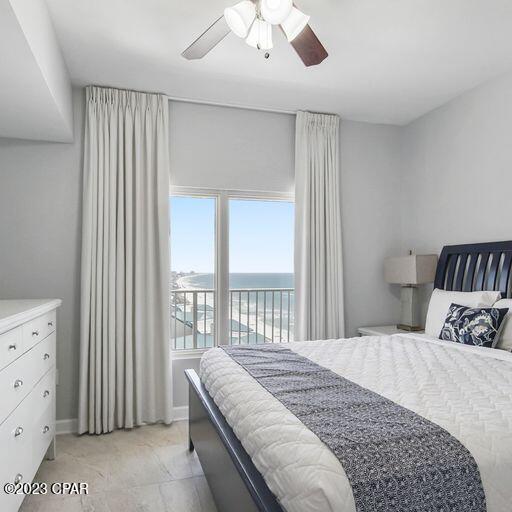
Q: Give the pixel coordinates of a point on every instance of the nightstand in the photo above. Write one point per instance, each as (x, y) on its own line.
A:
(383, 330)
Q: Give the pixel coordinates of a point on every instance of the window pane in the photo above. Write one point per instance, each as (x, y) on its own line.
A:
(261, 271)
(192, 272)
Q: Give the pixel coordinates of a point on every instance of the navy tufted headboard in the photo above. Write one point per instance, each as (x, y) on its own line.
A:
(476, 267)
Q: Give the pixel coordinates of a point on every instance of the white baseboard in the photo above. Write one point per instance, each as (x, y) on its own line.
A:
(180, 413)
(71, 426)
(66, 426)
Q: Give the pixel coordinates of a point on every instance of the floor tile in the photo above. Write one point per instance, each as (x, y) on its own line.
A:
(137, 499)
(181, 496)
(96, 470)
(178, 461)
(51, 504)
(148, 469)
(95, 503)
(205, 495)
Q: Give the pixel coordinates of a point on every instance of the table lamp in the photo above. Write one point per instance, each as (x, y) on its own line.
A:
(410, 272)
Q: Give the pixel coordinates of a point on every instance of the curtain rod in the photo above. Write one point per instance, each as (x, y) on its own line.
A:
(231, 105)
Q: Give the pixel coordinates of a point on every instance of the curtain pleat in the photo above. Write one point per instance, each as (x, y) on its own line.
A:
(319, 309)
(125, 370)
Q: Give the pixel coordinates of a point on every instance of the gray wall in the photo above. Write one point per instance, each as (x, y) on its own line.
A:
(370, 181)
(40, 204)
(457, 166)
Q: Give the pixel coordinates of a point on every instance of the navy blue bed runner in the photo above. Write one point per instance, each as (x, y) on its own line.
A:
(395, 459)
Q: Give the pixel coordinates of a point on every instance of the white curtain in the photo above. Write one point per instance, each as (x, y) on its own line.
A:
(318, 250)
(125, 372)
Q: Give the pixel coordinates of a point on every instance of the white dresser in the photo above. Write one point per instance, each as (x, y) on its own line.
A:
(27, 391)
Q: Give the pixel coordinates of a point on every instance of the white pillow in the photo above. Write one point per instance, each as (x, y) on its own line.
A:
(441, 300)
(505, 339)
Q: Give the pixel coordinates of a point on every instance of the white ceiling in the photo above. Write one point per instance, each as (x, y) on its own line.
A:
(390, 60)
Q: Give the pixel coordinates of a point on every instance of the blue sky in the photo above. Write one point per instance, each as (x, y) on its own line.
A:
(260, 235)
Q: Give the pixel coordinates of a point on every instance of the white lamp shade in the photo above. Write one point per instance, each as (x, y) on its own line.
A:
(295, 23)
(240, 17)
(414, 269)
(276, 11)
(260, 35)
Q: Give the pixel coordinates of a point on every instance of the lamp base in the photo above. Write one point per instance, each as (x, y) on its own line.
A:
(409, 328)
(409, 315)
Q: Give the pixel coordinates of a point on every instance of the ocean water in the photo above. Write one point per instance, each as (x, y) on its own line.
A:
(240, 281)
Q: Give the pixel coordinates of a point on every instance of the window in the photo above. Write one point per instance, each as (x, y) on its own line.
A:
(192, 271)
(260, 271)
(231, 268)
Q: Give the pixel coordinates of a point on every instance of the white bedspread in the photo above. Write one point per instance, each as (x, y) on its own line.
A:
(465, 390)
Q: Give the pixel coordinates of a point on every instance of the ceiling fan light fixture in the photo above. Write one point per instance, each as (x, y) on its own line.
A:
(276, 11)
(263, 14)
(260, 35)
(240, 17)
(294, 24)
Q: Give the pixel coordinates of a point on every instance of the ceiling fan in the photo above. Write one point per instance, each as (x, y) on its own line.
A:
(253, 21)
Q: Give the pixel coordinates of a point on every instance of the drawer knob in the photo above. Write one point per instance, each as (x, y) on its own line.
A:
(46, 429)
(13, 347)
(46, 356)
(35, 333)
(18, 431)
(46, 393)
(18, 478)
(18, 383)
(50, 324)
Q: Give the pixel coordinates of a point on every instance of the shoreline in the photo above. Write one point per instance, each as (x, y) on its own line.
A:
(181, 281)
(186, 282)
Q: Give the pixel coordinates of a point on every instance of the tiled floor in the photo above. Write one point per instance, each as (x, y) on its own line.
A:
(148, 469)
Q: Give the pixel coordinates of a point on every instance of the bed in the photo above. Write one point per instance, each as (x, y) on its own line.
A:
(258, 455)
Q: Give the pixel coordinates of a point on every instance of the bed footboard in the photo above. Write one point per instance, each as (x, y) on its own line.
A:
(234, 481)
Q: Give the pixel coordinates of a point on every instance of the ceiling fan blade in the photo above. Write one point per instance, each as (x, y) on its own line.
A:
(210, 38)
(309, 47)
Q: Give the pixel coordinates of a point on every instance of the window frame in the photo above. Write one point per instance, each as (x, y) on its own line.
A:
(221, 278)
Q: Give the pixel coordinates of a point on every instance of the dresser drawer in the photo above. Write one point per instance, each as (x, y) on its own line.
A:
(18, 379)
(43, 355)
(25, 436)
(11, 346)
(39, 328)
(43, 431)
(16, 440)
(44, 392)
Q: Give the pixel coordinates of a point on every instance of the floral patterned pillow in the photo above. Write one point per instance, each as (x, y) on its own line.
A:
(473, 326)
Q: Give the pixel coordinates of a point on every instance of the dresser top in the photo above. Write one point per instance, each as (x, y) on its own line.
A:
(17, 312)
